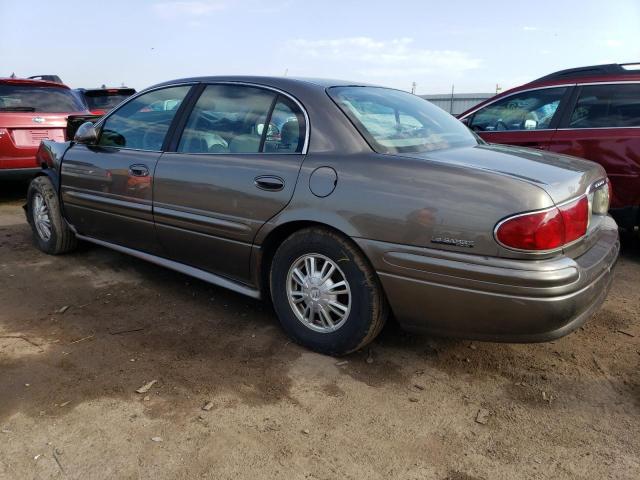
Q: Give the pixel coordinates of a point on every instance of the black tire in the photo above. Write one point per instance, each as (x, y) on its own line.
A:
(368, 311)
(61, 238)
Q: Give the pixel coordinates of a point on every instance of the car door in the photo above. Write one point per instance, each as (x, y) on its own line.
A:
(107, 188)
(233, 167)
(526, 119)
(603, 125)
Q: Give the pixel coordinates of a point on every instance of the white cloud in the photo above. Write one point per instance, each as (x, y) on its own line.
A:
(530, 29)
(385, 58)
(170, 9)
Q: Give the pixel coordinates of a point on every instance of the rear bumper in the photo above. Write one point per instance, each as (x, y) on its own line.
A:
(471, 296)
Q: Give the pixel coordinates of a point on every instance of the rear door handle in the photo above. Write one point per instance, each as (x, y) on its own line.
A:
(269, 182)
(138, 170)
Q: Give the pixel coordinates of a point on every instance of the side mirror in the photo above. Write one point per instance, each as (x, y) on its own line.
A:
(530, 124)
(86, 134)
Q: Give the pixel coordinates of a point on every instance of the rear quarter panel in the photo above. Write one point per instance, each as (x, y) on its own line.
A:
(411, 201)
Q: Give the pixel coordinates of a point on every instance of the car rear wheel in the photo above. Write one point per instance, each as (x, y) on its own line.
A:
(326, 295)
(51, 233)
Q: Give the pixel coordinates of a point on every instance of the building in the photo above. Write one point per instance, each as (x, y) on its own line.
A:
(458, 102)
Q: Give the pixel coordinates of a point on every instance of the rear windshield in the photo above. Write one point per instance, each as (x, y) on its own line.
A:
(393, 121)
(36, 98)
(106, 100)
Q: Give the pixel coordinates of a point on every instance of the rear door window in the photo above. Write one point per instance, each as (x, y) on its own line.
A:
(228, 119)
(286, 128)
(142, 123)
(601, 106)
(532, 110)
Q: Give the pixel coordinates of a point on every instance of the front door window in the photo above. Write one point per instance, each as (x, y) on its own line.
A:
(532, 110)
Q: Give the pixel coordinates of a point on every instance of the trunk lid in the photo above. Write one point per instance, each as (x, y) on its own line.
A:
(561, 176)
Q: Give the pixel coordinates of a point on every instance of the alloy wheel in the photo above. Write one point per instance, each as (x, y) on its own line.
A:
(318, 293)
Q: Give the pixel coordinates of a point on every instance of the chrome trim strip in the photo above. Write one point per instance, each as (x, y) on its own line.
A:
(147, 208)
(582, 129)
(202, 219)
(617, 82)
(179, 267)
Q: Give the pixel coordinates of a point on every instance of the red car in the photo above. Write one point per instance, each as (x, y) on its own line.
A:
(589, 112)
(31, 111)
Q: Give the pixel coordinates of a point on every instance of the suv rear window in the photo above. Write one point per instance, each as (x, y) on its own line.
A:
(105, 99)
(615, 105)
(36, 98)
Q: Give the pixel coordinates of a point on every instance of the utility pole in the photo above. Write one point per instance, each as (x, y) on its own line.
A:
(451, 104)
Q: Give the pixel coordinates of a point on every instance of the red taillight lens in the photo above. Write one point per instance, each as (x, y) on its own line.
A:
(545, 230)
(575, 216)
(534, 231)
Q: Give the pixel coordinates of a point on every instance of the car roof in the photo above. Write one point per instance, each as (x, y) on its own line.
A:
(608, 71)
(282, 82)
(28, 81)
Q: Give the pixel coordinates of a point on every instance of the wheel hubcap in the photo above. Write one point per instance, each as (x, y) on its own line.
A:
(318, 293)
(41, 220)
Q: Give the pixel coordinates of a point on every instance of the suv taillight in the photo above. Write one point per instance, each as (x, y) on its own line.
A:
(546, 230)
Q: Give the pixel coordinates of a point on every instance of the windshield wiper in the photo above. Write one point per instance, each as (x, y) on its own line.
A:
(17, 109)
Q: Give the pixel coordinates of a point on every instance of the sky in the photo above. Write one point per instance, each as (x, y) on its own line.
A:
(471, 45)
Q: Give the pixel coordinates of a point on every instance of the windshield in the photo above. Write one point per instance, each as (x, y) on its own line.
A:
(393, 121)
(36, 98)
(106, 100)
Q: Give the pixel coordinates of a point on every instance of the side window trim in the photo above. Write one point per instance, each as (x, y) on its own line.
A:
(559, 114)
(98, 126)
(563, 122)
(172, 146)
(556, 116)
(267, 123)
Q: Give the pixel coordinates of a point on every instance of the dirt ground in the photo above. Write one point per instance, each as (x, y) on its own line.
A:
(68, 380)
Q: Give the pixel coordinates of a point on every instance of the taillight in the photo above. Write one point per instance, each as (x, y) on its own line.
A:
(546, 230)
(575, 216)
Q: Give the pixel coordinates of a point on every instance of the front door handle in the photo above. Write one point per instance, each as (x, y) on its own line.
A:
(269, 182)
(139, 170)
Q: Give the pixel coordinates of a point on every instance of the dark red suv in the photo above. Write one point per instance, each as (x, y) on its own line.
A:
(589, 112)
(31, 111)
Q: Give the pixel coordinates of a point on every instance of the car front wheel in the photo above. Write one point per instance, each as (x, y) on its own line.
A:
(326, 295)
(50, 230)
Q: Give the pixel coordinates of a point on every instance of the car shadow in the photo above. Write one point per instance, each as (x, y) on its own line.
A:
(13, 190)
